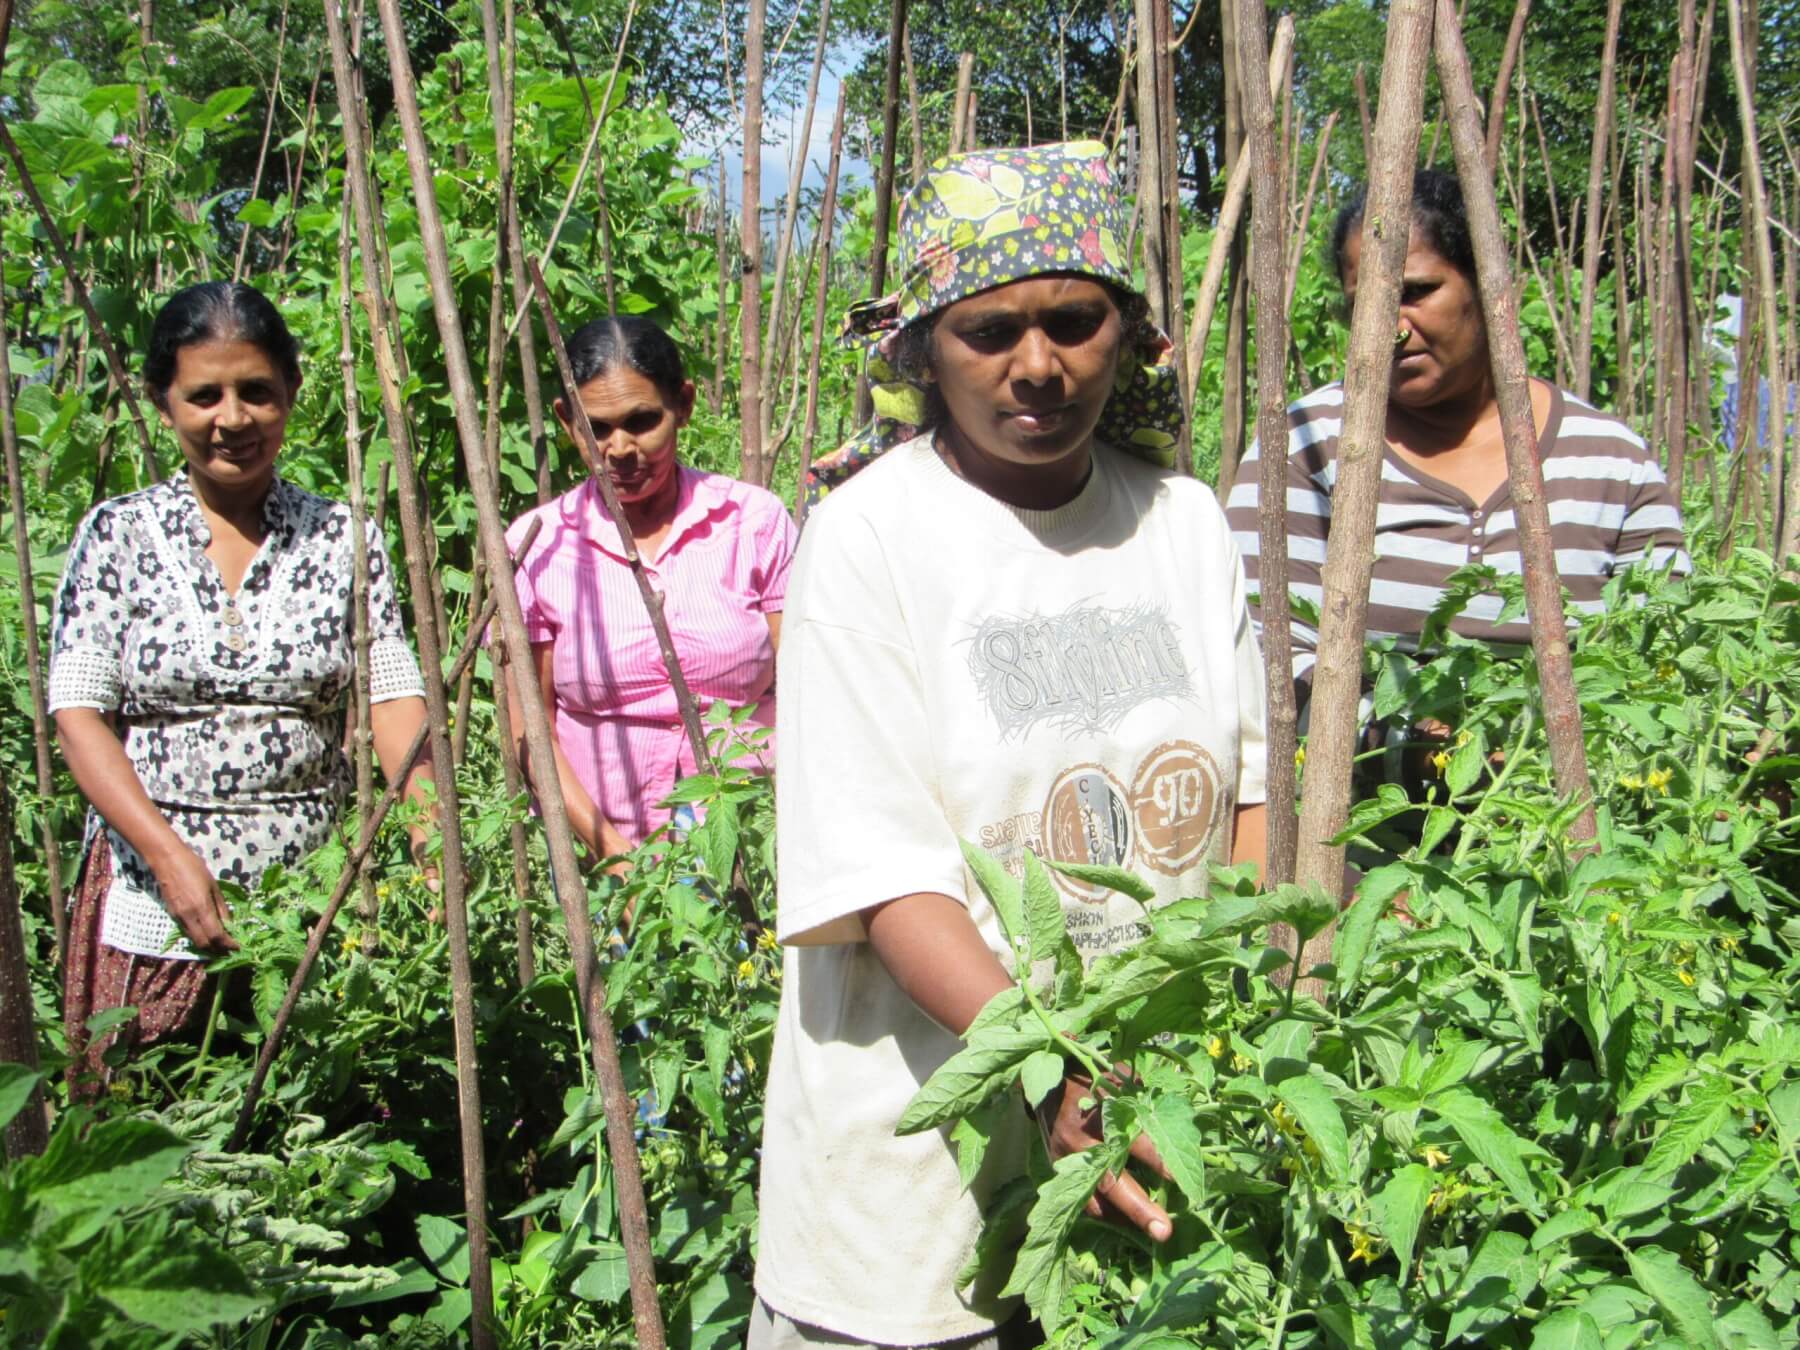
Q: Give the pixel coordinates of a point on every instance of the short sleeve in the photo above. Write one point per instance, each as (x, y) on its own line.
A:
(393, 671)
(539, 627)
(91, 614)
(775, 540)
(1652, 524)
(861, 819)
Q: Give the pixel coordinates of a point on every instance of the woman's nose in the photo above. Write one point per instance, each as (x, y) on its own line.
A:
(232, 412)
(1034, 359)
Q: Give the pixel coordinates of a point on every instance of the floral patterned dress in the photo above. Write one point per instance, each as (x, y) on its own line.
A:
(230, 707)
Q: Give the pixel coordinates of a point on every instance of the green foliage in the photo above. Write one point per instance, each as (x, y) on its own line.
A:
(1553, 1100)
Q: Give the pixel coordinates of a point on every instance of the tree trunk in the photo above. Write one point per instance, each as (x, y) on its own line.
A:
(1509, 58)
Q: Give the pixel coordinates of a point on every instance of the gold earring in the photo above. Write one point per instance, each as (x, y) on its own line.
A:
(1402, 337)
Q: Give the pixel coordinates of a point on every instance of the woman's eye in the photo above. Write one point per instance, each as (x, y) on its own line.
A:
(643, 422)
(1069, 329)
(991, 337)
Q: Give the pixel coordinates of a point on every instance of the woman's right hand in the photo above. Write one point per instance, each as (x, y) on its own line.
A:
(192, 896)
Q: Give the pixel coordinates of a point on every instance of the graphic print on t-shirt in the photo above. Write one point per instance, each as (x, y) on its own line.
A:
(1081, 671)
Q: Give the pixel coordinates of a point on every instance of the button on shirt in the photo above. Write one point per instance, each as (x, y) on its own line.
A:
(722, 570)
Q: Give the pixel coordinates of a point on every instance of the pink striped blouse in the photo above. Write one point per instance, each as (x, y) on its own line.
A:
(722, 569)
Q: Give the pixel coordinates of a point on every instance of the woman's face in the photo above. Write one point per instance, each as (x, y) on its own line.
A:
(228, 406)
(1025, 369)
(635, 428)
(1445, 354)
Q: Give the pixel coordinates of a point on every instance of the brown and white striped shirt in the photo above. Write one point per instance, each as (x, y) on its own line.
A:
(1610, 507)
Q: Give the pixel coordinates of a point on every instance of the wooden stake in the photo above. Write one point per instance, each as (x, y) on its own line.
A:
(1297, 252)
(1512, 389)
(1350, 551)
(28, 1133)
(1509, 58)
(414, 528)
(1787, 514)
(821, 303)
(884, 180)
(1268, 210)
(750, 390)
(1590, 253)
(45, 780)
(262, 153)
(912, 107)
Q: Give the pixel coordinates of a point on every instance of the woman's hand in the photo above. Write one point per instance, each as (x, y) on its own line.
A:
(192, 896)
(1069, 1127)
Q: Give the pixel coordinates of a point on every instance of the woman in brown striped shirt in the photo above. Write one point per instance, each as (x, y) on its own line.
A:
(1445, 498)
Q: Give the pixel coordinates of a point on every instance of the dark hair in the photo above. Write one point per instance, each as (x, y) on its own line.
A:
(1437, 214)
(217, 311)
(628, 340)
(911, 359)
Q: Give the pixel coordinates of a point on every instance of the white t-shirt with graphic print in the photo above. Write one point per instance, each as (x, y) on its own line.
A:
(1083, 682)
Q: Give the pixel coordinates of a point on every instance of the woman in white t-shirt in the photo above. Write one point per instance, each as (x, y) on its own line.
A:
(1005, 631)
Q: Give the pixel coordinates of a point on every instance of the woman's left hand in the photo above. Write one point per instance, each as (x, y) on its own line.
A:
(1073, 1128)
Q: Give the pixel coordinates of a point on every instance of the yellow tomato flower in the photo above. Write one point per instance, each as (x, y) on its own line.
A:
(1239, 1063)
(349, 944)
(766, 940)
(1658, 780)
(1730, 944)
(1216, 1047)
(1300, 757)
(1631, 782)
(1364, 1245)
(1434, 1156)
(1615, 917)
(746, 970)
(1440, 761)
(1685, 976)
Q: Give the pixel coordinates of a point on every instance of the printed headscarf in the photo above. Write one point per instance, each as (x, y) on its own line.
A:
(981, 220)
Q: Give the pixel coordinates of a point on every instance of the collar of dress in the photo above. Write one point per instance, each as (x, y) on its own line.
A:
(700, 496)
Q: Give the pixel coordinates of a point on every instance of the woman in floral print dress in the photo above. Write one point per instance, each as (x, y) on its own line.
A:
(201, 662)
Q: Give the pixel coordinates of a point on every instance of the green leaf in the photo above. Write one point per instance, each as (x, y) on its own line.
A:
(1317, 1111)
(16, 1086)
(188, 1290)
(1107, 878)
(968, 1078)
(1563, 1225)
(1038, 1274)
(1400, 1208)
(1666, 1072)
(1040, 1075)
(1660, 1274)
(1043, 910)
(1490, 1139)
(119, 1163)
(1567, 1329)
(1751, 1174)
(718, 840)
(1500, 1277)
(1357, 927)
(1306, 909)
(1170, 1125)
(1707, 1109)
(1001, 890)
(1126, 976)
(606, 1278)
(1465, 767)
(446, 1246)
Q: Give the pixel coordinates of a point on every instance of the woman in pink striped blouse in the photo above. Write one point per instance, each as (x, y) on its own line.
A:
(717, 549)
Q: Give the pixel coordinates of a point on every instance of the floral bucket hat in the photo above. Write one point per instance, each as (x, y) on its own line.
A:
(981, 220)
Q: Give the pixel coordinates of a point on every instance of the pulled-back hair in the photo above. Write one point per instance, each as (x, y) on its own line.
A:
(628, 340)
(1437, 214)
(217, 311)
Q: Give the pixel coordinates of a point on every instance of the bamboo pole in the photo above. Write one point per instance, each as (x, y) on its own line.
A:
(1362, 109)
(415, 528)
(1787, 514)
(750, 371)
(1268, 212)
(28, 1133)
(114, 364)
(1512, 389)
(1590, 254)
(1509, 58)
(821, 303)
(45, 780)
(884, 180)
(1350, 553)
